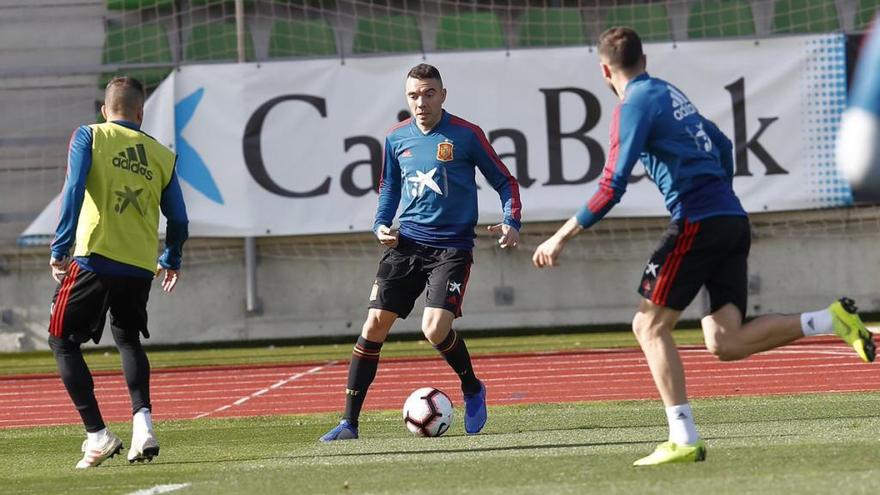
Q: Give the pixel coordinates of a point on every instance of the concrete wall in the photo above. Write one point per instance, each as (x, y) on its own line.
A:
(311, 289)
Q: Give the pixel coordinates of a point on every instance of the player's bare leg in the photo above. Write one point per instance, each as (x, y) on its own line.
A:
(362, 371)
(653, 327)
(436, 324)
(728, 339)
(378, 325)
(437, 327)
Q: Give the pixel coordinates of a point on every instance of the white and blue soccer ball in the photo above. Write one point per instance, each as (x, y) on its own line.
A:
(428, 412)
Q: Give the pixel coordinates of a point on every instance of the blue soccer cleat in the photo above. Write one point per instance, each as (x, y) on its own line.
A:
(475, 411)
(343, 431)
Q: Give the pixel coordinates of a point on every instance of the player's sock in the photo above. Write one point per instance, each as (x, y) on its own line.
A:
(454, 351)
(817, 323)
(361, 372)
(142, 421)
(682, 429)
(94, 437)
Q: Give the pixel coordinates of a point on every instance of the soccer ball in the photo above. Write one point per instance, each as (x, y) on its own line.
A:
(428, 412)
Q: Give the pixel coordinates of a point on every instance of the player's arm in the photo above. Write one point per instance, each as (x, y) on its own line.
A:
(723, 143)
(505, 184)
(176, 231)
(79, 161)
(630, 126)
(389, 197)
(858, 142)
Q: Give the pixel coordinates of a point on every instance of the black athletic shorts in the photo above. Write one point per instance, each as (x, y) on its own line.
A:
(80, 304)
(406, 269)
(711, 252)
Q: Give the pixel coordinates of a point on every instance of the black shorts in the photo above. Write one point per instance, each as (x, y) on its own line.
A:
(712, 252)
(80, 304)
(406, 269)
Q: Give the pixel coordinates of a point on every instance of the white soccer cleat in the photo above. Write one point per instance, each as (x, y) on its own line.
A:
(144, 447)
(94, 453)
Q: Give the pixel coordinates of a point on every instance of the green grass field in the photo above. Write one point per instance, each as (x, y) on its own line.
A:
(799, 444)
(803, 444)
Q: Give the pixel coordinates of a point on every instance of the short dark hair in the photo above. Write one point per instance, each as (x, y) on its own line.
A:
(621, 47)
(124, 95)
(425, 71)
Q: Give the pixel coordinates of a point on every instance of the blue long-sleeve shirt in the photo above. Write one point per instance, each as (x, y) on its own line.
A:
(79, 162)
(433, 176)
(686, 155)
(866, 83)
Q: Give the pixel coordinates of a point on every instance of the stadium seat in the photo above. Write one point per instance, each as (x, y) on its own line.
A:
(469, 31)
(137, 4)
(211, 3)
(396, 33)
(147, 43)
(216, 41)
(297, 38)
(649, 20)
(551, 27)
(867, 10)
(805, 16)
(720, 18)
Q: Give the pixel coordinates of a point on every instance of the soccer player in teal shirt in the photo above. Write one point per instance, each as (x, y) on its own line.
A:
(429, 171)
(707, 242)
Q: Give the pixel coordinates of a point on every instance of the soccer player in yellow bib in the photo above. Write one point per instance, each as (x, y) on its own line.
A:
(118, 180)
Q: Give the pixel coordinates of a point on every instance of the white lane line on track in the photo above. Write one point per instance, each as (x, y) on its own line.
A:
(155, 490)
(262, 391)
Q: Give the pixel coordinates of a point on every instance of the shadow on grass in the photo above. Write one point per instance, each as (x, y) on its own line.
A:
(430, 451)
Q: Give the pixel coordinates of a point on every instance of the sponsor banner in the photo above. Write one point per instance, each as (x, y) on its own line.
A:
(295, 147)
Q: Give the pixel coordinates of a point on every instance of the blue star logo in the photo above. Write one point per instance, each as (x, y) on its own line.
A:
(190, 166)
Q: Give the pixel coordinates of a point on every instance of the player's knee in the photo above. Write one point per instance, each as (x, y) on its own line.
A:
(434, 333)
(724, 348)
(375, 330)
(644, 329)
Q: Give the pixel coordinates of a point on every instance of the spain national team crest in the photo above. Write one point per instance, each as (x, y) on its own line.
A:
(444, 151)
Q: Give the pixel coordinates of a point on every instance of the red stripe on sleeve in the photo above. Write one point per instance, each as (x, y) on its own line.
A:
(516, 205)
(394, 128)
(605, 193)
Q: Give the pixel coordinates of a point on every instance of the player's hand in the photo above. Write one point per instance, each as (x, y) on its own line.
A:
(386, 236)
(59, 267)
(548, 252)
(168, 277)
(509, 235)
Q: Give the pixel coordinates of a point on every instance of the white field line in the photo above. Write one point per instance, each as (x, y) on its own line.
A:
(262, 391)
(155, 490)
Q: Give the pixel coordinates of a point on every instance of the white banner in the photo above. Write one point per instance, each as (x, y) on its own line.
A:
(294, 147)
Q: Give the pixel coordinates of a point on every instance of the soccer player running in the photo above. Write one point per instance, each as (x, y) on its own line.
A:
(706, 243)
(118, 179)
(858, 145)
(429, 170)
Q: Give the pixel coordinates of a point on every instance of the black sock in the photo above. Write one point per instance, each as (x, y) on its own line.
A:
(361, 372)
(135, 367)
(78, 381)
(454, 351)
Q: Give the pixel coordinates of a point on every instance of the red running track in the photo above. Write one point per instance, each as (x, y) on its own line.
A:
(821, 365)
